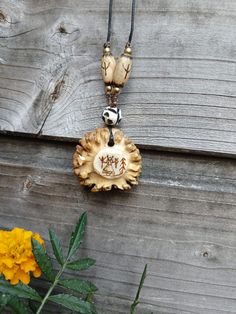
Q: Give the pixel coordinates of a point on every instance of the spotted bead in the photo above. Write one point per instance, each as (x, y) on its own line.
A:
(111, 116)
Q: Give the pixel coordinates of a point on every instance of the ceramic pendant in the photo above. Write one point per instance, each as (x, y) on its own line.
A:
(101, 166)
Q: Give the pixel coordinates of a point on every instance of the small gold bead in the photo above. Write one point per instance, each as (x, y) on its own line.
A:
(107, 50)
(116, 90)
(128, 51)
(108, 89)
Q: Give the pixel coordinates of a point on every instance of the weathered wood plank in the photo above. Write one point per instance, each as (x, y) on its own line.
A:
(181, 94)
(180, 220)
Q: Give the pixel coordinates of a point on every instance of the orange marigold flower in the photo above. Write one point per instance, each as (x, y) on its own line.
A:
(16, 256)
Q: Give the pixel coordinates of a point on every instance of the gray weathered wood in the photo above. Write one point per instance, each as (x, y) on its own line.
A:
(180, 220)
(182, 91)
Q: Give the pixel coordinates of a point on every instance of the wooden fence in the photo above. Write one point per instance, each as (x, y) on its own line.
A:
(179, 107)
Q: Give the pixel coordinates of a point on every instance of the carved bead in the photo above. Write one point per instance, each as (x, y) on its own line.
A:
(123, 68)
(108, 64)
(111, 116)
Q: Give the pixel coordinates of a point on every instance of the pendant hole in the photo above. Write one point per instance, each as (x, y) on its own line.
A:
(111, 142)
(111, 138)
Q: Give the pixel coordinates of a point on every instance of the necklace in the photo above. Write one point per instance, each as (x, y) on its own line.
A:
(105, 158)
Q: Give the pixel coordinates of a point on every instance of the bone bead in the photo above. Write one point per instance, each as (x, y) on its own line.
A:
(108, 64)
(123, 68)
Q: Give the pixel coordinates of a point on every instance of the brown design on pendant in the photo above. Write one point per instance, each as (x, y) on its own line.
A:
(101, 166)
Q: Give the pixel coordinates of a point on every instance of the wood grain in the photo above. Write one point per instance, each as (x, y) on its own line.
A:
(181, 94)
(180, 220)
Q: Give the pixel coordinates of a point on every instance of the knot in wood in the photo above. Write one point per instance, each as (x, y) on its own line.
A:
(62, 29)
(205, 254)
(208, 252)
(2, 17)
(27, 184)
(57, 90)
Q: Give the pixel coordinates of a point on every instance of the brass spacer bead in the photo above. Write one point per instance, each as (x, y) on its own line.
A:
(107, 50)
(108, 89)
(128, 51)
(116, 90)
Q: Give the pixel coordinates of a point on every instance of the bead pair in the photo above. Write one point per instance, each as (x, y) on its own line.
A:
(115, 73)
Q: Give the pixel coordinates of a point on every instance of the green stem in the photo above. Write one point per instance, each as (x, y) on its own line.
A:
(52, 287)
(132, 309)
(136, 300)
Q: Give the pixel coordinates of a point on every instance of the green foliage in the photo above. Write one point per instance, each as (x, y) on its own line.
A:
(4, 298)
(136, 300)
(12, 294)
(43, 260)
(20, 290)
(73, 303)
(81, 264)
(78, 285)
(77, 235)
(56, 246)
(17, 306)
(14, 303)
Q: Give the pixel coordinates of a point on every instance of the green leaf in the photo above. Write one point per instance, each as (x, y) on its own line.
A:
(77, 235)
(20, 290)
(89, 297)
(136, 300)
(78, 285)
(43, 259)
(17, 306)
(4, 298)
(73, 303)
(81, 264)
(56, 246)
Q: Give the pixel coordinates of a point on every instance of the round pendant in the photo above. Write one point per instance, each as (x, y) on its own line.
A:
(101, 166)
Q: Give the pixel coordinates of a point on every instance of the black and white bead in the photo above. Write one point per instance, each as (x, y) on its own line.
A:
(111, 115)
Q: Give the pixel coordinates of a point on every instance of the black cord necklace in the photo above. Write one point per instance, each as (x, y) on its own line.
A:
(110, 20)
(105, 158)
(116, 74)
